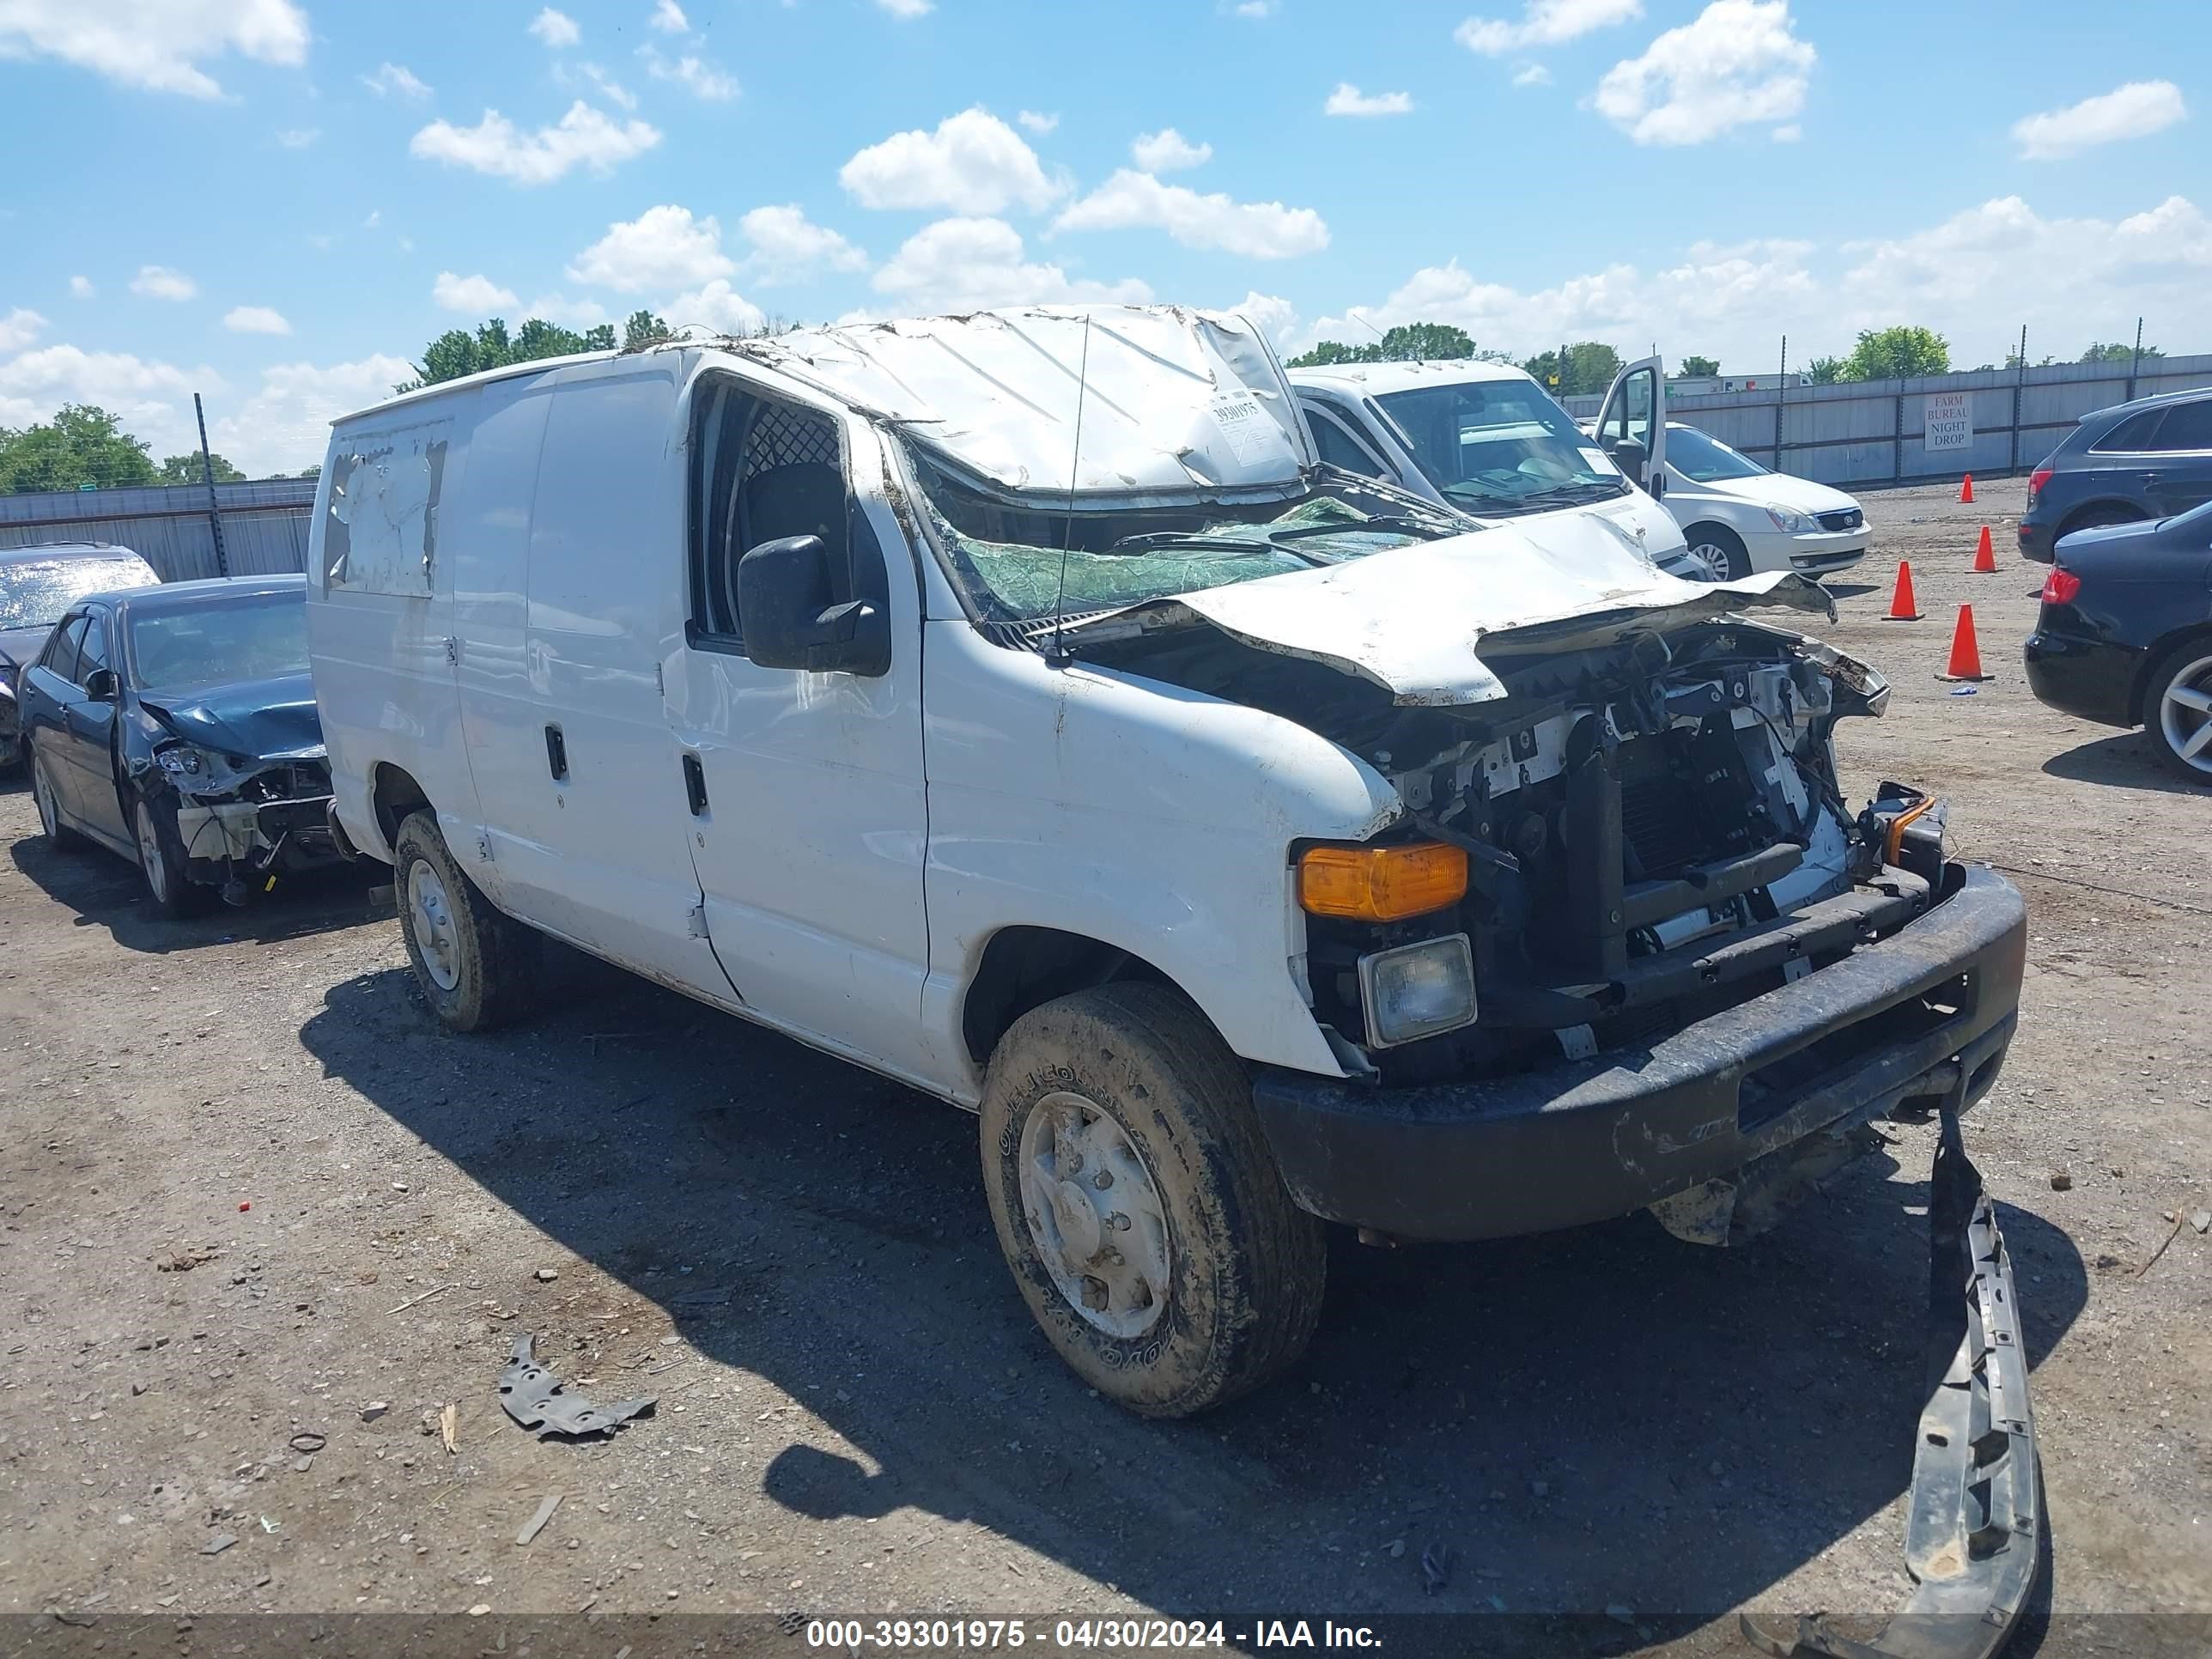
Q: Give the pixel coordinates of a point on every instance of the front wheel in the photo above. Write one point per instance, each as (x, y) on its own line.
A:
(473, 962)
(2178, 710)
(162, 862)
(1138, 1204)
(1716, 553)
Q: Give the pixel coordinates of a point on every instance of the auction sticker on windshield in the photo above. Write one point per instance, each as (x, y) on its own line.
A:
(1597, 461)
(1244, 424)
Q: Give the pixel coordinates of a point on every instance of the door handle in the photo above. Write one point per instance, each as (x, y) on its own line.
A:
(556, 753)
(695, 785)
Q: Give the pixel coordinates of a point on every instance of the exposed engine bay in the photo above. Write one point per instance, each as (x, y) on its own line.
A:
(1652, 820)
(239, 818)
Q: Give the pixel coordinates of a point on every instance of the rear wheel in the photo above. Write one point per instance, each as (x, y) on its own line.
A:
(59, 835)
(1138, 1205)
(2178, 710)
(162, 862)
(1717, 553)
(2090, 517)
(473, 962)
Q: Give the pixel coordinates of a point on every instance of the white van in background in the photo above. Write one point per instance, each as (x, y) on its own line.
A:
(1013, 704)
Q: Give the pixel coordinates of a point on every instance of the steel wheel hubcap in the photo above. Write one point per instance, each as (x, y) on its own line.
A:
(149, 854)
(430, 918)
(1094, 1214)
(2184, 715)
(1712, 563)
(49, 819)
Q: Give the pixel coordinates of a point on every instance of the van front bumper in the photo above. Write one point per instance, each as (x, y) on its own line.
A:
(1924, 1015)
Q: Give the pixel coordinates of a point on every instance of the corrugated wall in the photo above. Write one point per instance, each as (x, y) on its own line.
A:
(1870, 431)
(265, 523)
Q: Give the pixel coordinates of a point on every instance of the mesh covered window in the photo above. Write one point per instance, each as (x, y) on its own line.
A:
(767, 470)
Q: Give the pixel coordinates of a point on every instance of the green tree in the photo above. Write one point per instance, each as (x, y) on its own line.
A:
(1590, 368)
(82, 444)
(2118, 351)
(186, 470)
(1898, 353)
(1700, 369)
(1824, 371)
(315, 471)
(458, 352)
(1408, 343)
(644, 329)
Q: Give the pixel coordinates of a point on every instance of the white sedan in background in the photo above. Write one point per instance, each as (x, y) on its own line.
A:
(1738, 517)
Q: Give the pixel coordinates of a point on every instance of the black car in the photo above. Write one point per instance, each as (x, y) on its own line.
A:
(2151, 459)
(37, 586)
(2125, 634)
(177, 726)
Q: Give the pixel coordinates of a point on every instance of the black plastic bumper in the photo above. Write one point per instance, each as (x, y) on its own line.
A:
(2092, 679)
(1925, 1014)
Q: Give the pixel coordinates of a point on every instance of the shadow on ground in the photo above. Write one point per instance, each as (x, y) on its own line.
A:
(1595, 1417)
(2125, 760)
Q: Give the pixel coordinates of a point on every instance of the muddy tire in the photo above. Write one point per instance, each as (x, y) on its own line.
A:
(1139, 1206)
(475, 963)
(161, 861)
(59, 835)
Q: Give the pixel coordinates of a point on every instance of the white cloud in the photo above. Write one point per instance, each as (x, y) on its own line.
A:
(1037, 123)
(19, 328)
(556, 28)
(569, 313)
(159, 282)
(1788, 135)
(255, 319)
(1167, 150)
(156, 44)
(590, 76)
(298, 137)
(974, 163)
(1253, 11)
(786, 243)
(81, 287)
(2139, 108)
(966, 263)
(395, 78)
(585, 138)
(375, 218)
(476, 295)
(1737, 62)
(1545, 23)
(668, 17)
(1348, 99)
(1532, 75)
(1272, 314)
(907, 10)
(1258, 230)
(663, 247)
(286, 424)
(1975, 277)
(692, 72)
(715, 305)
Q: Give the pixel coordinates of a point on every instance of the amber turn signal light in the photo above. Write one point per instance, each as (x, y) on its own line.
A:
(1381, 884)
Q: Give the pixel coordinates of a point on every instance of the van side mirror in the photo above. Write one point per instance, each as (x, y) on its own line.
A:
(791, 618)
(1630, 455)
(99, 686)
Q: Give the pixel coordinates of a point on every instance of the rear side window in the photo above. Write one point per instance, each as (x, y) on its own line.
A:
(2186, 426)
(60, 654)
(2131, 436)
(93, 653)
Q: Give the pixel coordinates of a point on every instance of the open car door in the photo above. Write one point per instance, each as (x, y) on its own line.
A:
(1635, 412)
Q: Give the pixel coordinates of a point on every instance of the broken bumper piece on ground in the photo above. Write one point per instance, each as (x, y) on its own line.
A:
(1973, 1532)
(535, 1399)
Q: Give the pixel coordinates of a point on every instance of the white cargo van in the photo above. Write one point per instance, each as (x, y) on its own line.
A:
(1014, 704)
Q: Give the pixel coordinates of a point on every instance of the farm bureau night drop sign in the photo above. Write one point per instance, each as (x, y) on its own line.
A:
(1948, 420)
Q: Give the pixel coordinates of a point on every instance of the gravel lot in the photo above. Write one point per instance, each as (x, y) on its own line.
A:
(855, 1412)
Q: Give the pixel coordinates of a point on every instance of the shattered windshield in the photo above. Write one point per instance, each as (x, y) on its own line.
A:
(1008, 557)
(34, 592)
(261, 638)
(1498, 448)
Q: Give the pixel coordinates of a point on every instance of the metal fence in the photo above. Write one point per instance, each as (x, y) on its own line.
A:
(1875, 431)
(265, 523)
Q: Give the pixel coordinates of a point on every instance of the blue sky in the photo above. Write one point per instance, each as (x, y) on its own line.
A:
(277, 201)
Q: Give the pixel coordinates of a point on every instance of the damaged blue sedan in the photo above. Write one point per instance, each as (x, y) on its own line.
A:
(177, 726)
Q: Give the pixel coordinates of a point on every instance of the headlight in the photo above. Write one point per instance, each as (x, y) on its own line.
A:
(1418, 990)
(181, 761)
(1791, 524)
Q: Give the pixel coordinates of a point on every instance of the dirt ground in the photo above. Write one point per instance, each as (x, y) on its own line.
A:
(855, 1413)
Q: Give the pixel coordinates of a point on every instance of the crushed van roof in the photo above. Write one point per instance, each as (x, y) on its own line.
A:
(1379, 379)
(1174, 401)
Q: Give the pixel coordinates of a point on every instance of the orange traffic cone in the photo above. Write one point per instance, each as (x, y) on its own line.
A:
(1986, 556)
(1903, 607)
(1966, 490)
(1965, 656)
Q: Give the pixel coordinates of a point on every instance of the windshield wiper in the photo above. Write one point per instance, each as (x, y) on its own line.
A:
(1168, 541)
(1389, 524)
